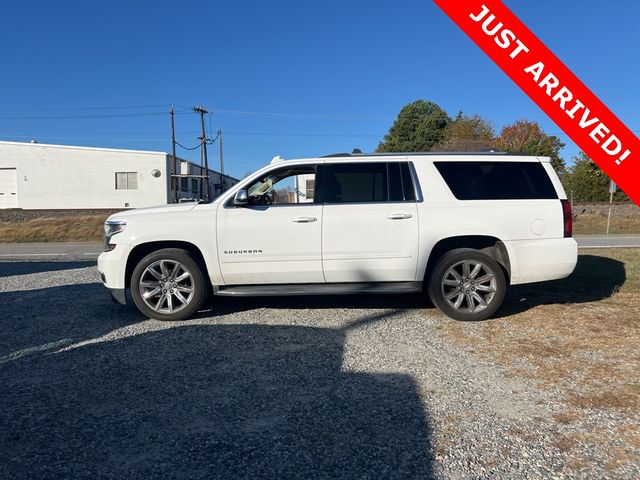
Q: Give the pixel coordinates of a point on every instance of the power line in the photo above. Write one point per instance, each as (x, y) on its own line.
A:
(327, 116)
(233, 112)
(188, 148)
(286, 134)
(84, 108)
(212, 141)
(102, 132)
(77, 117)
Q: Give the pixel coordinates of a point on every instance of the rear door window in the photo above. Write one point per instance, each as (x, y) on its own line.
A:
(368, 182)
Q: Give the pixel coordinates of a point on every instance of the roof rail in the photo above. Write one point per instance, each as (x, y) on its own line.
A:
(395, 154)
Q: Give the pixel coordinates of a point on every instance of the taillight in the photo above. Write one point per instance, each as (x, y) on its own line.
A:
(568, 221)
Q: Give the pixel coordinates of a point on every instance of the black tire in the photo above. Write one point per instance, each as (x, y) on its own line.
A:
(444, 283)
(193, 288)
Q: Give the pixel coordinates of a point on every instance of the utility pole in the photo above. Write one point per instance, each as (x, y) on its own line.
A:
(613, 188)
(203, 151)
(174, 179)
(222, 183)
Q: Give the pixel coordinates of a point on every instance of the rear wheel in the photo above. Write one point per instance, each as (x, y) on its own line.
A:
(467, 285)
(168, 285)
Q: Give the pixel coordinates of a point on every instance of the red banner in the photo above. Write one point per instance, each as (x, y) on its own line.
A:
(552, 86)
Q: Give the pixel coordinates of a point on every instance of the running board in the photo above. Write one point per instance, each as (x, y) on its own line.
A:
(318, 289)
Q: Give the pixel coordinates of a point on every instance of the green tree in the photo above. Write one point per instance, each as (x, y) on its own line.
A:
(467, 134)
(418, 128)
(524, 136)
(588, 182)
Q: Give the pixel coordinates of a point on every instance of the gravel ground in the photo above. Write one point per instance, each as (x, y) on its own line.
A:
(324, 387)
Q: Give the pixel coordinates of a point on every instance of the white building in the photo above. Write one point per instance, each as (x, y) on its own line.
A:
(39, 176)
(305, 188)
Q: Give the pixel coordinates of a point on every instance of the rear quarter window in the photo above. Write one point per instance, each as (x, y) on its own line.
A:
(496, 180)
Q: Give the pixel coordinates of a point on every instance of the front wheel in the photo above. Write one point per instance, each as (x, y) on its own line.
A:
(168, 284)
(467, 285)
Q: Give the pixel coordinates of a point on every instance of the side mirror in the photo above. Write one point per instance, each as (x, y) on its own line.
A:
(241, 198)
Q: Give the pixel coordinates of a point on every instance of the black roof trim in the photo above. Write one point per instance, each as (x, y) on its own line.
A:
(395, 154)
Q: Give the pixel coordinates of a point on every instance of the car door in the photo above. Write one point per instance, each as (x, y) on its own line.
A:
(370, 222)
(276, 236)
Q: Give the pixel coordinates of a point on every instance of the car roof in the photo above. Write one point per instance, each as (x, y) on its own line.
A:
(496, 153)
(427, 156)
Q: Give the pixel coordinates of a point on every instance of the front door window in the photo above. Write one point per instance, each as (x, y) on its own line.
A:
(285, 186)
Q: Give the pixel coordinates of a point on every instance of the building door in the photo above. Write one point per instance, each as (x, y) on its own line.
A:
(8, 188)
(370, 222)
(275, 237)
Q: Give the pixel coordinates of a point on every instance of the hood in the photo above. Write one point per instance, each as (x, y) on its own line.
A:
(173, 208)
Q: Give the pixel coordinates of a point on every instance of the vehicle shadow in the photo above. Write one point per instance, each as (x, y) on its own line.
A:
(45, 318)
(8, 269)
(209, 401)
(594, 278)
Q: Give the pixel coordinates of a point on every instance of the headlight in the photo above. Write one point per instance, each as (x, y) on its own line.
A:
(111, 227)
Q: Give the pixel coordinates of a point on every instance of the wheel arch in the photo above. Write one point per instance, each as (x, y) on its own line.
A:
(142, 250)
(487, 244)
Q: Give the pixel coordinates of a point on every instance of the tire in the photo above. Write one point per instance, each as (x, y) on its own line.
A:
(160, 295)
(470, 300)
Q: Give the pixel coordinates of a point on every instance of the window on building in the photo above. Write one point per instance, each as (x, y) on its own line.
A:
(184, 184)
(126, 180)
(195, 187)
(311, 186)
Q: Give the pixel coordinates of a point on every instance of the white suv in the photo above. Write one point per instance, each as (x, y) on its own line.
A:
(463, 226)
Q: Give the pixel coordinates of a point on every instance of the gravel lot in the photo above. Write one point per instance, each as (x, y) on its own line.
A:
(324, 387)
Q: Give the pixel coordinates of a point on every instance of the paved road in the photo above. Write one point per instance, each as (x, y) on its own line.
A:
(49, 251)
(608, 241)
(90, 251)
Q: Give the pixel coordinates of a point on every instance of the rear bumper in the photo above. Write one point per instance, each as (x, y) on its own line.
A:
(541, 259)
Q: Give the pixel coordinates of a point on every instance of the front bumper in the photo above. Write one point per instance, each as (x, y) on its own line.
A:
(112, 268)
(119, 295)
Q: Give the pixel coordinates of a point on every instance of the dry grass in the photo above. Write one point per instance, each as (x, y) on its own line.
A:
(619, 398)
(579, 335)
(592, 224)
(630, 434)
(64, 229)
(566, 418)
(565, 443)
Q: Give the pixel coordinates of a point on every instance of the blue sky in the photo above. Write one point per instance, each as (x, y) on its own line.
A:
(283, 77)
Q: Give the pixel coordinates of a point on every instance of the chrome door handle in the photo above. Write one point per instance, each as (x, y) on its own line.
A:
(304, 219)
(399, 216)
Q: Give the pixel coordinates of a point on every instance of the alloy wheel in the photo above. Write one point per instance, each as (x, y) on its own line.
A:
(469, 286)
(166, 286)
